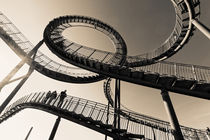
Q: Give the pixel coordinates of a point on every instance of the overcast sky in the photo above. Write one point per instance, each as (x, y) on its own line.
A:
(144, 25)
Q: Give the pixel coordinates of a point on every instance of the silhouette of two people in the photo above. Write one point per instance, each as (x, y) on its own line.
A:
(49, 97)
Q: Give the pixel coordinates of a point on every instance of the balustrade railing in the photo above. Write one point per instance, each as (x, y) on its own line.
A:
(26, 46)
(135, 124)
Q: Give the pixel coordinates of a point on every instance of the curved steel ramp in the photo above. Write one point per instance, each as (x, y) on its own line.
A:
(10, 34)
(185, 79)
(185, 11)
(94, 116)
(180, 78)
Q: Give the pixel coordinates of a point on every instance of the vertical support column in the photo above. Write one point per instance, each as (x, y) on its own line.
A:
(55, 127)
(118, 97)
(107, 118)
(202, 28)
(171, 115)
(13, 93)
(29, 132)
(117, 104)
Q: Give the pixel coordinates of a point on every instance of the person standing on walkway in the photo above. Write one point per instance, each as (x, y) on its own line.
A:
(53, 96)
(47, 97)
(207, 130)
(62, 97)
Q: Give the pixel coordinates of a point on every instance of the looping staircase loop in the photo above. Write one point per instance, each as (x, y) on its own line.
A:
(147, 69)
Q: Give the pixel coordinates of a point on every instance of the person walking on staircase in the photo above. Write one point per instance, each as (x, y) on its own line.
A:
(47, 97)
(52, 96)
(62, 97)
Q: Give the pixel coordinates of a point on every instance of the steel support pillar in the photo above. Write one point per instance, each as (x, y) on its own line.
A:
(29, 132)
(117, 104)
(6, 80)
(204, 29)
(107, 118)
(16, 79)
(172, 115)
(14, 92)
(55, 127)
(118, 98)
(31, 69)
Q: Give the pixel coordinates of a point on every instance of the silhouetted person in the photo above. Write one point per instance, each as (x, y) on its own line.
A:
(52, 96)
(47, 96)
(62, 97)
(207, 130)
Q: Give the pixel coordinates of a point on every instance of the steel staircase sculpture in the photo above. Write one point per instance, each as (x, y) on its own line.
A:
(94, 116)
(186, 79)
(147, 69)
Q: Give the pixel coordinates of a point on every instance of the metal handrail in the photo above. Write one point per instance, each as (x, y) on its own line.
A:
(98, 111)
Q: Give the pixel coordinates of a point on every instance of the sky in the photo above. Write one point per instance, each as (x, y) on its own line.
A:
(144, 25)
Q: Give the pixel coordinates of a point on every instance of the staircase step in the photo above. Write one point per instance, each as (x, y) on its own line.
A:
(137, 74)
(183, 83)
(150, 77)
(202, 86)
(166, 80)
(75, 58)
(196, 4)
(89, 119)
(98, 122)
(99, 66)
(129, 135)
(91, 63)
(125, 72)
(80, 116)
(102, 125)
(114, 69)
(107, 126)
(120, 131)
(106, 67)
(81, 60)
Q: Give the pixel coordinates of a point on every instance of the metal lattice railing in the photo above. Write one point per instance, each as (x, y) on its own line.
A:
(179, 70)
(182, 32)
(26, 46)
(189, 72)
(135, 124)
